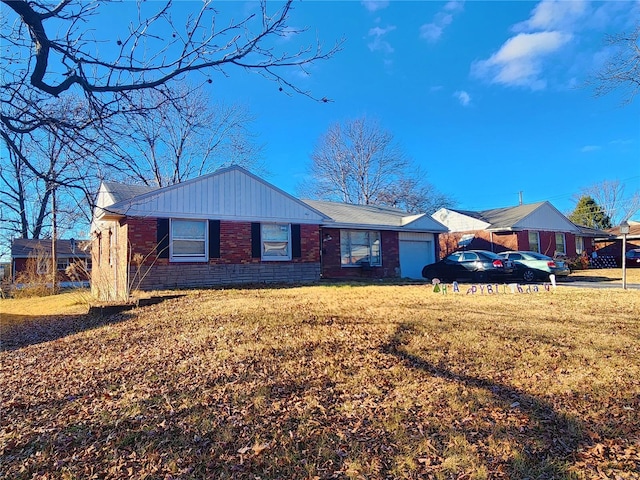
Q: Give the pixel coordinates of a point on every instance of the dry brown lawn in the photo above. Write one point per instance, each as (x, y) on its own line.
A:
(327, 381)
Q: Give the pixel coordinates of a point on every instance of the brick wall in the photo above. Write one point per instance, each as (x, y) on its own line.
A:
(332, 268)
(483, 240)
(137, 240)
(207, 274)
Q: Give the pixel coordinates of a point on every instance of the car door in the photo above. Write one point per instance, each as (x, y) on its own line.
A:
(468, 264)
(451, 266)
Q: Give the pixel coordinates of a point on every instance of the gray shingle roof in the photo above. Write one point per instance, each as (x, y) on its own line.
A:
(121, 191)
(502, 217)
(27, 247)
(374, 215)
(359, 214)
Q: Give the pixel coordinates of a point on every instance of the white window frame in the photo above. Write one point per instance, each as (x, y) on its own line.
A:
(579, 245)
(179, 257)
(266, 244)
(345, 241)
(537, 243)
(564, 243)
(62, 262)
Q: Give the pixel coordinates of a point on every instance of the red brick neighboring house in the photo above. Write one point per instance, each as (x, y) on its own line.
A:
(68, 252)
(538, 227)
(232, 227)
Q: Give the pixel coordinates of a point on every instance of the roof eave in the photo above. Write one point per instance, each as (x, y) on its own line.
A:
(366, 226)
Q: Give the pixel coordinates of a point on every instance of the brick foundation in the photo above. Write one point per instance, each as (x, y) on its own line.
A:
(158, 277)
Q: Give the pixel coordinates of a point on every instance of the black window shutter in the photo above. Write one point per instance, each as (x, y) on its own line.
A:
(296, 243)
(214, 238)
(255, 241)
(162, 237)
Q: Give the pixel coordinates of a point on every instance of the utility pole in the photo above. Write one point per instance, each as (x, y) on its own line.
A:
(54, 235)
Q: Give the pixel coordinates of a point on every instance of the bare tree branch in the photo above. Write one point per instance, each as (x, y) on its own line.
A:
(622, 70)
(360, 163)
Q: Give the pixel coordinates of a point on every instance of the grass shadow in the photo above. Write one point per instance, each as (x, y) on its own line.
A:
(552, 438)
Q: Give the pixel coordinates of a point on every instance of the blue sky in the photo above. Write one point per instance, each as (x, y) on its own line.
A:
(487, 97)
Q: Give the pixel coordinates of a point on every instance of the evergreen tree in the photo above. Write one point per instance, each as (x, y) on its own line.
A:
(589, 214)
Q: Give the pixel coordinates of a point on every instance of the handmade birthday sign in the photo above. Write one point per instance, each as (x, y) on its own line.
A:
(493, 288)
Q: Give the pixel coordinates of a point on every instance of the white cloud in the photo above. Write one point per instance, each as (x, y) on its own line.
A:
(433, 31)
(520, 60)
(454, 6)
(379, 43)
(551, 15)
(375, 5)
(590, 148)
(463, 97)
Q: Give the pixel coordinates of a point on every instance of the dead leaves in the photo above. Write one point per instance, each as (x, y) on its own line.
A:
(286, 383)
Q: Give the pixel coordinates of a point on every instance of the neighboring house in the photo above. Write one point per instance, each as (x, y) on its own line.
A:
(539, 227)
(38, 253)
(232, 227)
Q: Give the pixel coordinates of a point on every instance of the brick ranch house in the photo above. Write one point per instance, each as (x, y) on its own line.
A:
(538, 227)
(232, 227)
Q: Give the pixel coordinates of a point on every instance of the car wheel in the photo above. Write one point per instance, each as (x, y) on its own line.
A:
(528, 276)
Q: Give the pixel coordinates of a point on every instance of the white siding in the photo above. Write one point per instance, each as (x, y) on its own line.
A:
(422, 222)
(457, 222)
(231, 194)
(546, 218)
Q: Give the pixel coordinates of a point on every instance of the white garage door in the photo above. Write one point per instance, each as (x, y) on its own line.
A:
(416, 251)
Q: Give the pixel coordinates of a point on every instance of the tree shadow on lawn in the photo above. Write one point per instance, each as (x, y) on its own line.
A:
(550, 439)
(25, 330)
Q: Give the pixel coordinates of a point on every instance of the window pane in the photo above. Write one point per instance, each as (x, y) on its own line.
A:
(375, 248)
(560, 243)
(533, 242)
(188, 238)
(275, 249)
(358, 247)
(359, 238)
(276, 241)
(188, 247)
(188, 229)
(275, 233)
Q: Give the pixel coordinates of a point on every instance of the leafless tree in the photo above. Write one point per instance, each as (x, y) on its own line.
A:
(615, 201)
(55, 50)
(622, 70)
(360, 163)
(184, 136)
(43, 161)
